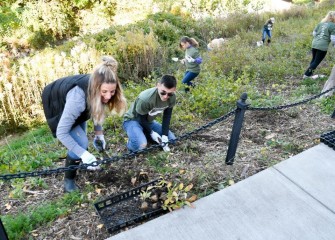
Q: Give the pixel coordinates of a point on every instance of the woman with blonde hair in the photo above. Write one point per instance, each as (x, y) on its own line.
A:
(323, 34)
(192, 60)
(70, 101)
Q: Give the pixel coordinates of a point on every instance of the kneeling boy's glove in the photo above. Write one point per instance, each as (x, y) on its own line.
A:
(156, 137)
(165, 145)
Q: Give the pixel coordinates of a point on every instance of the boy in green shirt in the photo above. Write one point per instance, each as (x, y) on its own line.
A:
(139, 120)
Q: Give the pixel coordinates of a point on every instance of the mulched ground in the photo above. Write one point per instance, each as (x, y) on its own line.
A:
(267, 138)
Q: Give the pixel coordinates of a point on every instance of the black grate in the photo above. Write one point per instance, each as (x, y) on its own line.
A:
(124, 209)
(328, 139)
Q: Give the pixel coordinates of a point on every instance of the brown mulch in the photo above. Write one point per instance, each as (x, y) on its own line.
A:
(267, 138)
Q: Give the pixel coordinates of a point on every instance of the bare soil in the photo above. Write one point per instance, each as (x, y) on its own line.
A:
(267, 138)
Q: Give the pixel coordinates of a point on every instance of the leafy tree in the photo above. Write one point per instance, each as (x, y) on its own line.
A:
(8, 19)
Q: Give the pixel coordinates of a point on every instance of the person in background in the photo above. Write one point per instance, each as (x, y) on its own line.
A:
(192, 60)
(139, 121)
(215, 44)
(70, 101)
(267, 30)
(323, 34)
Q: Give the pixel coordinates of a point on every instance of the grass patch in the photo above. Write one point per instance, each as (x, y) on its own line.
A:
(20, 225)
(33, 150)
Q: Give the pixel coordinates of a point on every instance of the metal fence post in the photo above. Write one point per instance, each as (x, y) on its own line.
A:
(3, 234)
(235, 133)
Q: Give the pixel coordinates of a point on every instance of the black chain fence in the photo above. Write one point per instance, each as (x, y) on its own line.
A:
(292, 104)
(109, 160)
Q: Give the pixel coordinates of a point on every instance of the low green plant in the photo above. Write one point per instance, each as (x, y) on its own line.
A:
(177, 195)
(18, 226)
(159, 162)
(327, 104)
(144, 195)
(17, 192)
(33, 150)
(168, 195)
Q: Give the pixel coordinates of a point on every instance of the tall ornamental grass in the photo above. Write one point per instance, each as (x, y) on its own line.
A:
(21, 84)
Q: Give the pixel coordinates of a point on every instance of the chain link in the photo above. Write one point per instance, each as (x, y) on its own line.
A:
(292, 104)
(210, 124)
(153, 147)
(109, 160)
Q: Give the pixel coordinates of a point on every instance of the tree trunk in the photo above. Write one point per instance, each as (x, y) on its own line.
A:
(330, 83)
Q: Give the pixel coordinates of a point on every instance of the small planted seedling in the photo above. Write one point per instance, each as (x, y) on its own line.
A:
(144, 196)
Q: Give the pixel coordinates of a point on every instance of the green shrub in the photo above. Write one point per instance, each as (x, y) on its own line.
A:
(52, 17)
(8, 20)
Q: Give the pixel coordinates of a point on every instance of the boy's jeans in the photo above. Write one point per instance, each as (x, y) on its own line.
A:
(137, 139)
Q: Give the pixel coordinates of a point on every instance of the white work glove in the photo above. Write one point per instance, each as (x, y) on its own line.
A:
(99, 142)
(164, 144)
(88, 158)
(156, 137)
(189, 59)
(183, 61)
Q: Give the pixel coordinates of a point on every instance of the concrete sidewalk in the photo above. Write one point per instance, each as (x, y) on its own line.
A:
(294, 199)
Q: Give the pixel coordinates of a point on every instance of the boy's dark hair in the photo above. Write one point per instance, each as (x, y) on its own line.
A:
(168, 81)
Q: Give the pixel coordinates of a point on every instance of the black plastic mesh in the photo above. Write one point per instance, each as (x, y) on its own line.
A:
(124, 210)
(328, 139)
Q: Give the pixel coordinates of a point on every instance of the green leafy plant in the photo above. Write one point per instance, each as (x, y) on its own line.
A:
(167, 195)
(177, 195)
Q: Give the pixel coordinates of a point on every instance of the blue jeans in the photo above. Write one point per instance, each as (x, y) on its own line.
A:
(78, 133)
(188, 77)
(137, 138)
(266, 32)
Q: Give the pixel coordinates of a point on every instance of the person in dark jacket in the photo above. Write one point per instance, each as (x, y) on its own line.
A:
(70, 101)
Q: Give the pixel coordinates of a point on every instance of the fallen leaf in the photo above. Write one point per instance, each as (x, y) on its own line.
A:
(100, 226)
(133, 180)
(8, 206)
(192, 199)
(189, 187)
(272, 135)
(89, 196)
(75, 238)
(98, 190)
(231, 182)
